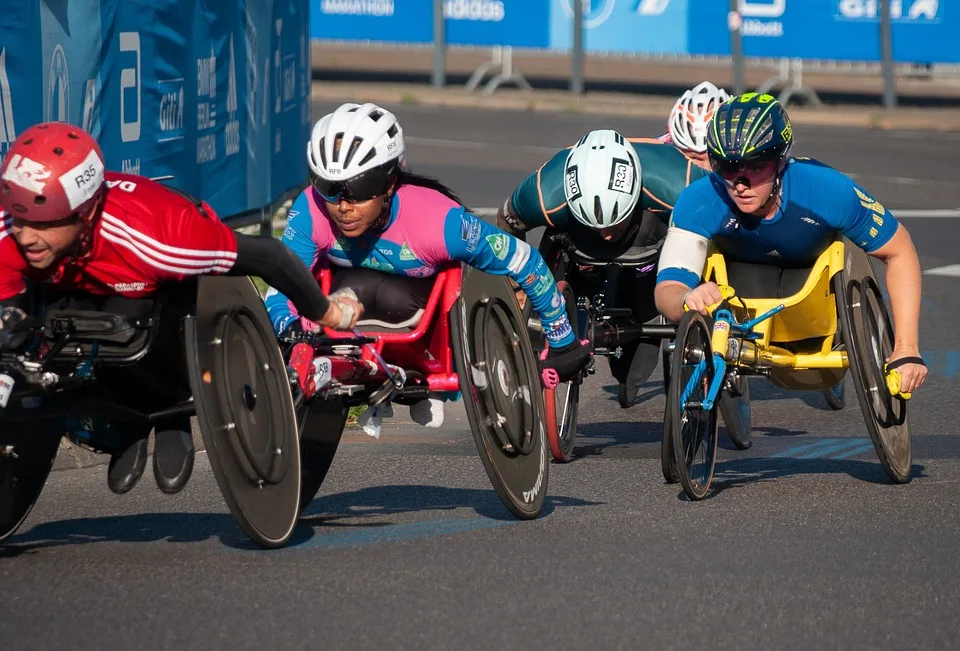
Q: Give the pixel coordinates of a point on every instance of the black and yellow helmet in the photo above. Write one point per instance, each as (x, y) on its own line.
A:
(747, 127)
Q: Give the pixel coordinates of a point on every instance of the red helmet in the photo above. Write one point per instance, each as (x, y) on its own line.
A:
(51, 171)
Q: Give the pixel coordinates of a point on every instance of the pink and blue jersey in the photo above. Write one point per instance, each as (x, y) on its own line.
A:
(425, 230)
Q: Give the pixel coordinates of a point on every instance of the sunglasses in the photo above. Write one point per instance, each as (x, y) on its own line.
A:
(732, 171)
(367, 186)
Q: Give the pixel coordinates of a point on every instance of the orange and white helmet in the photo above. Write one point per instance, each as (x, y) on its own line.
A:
(691, 115)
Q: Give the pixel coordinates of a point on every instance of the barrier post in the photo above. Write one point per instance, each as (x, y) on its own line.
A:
(439, 46)
(576, 56)
(734, 23)
(886, 57)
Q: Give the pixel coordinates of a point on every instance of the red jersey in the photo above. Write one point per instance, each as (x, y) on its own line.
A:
(146, 235)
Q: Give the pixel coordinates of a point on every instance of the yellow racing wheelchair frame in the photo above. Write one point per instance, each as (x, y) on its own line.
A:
(806, 341)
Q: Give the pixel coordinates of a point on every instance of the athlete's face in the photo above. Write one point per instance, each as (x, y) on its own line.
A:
(354, 218)
(750, 185)
(44, 243)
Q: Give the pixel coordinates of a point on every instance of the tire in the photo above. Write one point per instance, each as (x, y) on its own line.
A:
(868, 330)
(736, 414)
(668, 461)
(22, 478)
(836, 396)
(561, 405)
(693, 349)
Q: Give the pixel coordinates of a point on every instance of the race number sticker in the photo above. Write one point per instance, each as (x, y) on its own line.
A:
(621, 176)
(27, 173)
(573, 186)
(82, 181)
(322, 372)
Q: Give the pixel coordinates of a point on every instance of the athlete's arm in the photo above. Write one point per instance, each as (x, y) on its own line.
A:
(872, 227)
(297, 241)
(495, 252)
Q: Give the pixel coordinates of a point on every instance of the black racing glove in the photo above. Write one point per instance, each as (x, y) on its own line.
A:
(15, 327)
(565, 363)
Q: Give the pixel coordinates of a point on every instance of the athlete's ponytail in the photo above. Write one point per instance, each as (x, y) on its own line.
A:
(409, 178)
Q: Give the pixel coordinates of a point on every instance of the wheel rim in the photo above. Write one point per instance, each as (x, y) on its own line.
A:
(697, 449)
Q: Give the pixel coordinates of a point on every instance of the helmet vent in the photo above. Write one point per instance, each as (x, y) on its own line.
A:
(39, 200)
(392, 131)
(73, 136)
(370, 155)
(28, 141)
(58, 151)
(597, 209)
(354, 146)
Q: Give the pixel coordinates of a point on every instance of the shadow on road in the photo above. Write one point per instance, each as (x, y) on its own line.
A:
(351, 509)
(744, 472)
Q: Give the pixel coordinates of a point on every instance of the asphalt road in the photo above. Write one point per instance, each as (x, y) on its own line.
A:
(804, 545)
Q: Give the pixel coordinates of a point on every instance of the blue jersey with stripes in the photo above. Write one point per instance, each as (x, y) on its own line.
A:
(817, 202)
(425, 230)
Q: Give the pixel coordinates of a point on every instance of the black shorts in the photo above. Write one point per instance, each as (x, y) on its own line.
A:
(387, 299)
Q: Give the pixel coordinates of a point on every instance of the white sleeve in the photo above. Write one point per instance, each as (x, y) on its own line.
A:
(685, 250)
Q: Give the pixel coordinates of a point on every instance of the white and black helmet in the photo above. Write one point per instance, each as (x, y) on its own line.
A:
(691, 115)
(602, 179)
(355, 139)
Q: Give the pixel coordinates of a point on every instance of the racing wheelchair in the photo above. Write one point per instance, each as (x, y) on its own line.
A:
(230, 375)
(807, 328)
(591, 284)
(468, 339)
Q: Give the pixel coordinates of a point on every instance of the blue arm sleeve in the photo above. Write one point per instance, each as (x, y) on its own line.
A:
(861, 217)
(298, 237)
(489, 249)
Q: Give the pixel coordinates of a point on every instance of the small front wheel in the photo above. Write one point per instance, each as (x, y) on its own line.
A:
(694, 432)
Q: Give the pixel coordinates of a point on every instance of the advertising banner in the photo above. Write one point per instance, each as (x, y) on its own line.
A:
(215, 95)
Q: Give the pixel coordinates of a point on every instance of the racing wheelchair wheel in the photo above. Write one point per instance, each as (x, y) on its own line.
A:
(502, 390)
(25, 463)
(868, 332)
(694, 433)
(836, 396)
(321, 424)
(561, 404)
(668, 460)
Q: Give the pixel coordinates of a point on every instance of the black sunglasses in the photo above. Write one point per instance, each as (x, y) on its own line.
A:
(360, 188)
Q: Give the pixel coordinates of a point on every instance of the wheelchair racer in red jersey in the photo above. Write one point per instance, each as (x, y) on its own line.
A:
(75, 236)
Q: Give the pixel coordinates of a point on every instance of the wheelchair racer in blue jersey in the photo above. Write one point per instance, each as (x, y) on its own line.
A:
(762, 206)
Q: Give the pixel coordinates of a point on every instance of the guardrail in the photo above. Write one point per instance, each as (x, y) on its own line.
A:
(887, 32)
(212, 96)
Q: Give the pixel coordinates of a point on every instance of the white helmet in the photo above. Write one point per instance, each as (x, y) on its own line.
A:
(354, 139)
(602, 179)
(691, 115)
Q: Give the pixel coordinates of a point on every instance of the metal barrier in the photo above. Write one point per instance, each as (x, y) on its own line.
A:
(794, 33)
(212, 97)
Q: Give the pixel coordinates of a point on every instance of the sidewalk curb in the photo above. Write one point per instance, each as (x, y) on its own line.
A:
(619, 104)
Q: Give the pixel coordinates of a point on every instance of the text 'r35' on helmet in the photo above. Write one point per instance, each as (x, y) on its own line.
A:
(748, 127)
(691, 115)
(53, 170)
(355, 139)
(602, 179)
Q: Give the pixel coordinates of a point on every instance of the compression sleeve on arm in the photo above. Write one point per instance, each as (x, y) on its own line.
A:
(682, 257)
(280, 268)
(497, 253)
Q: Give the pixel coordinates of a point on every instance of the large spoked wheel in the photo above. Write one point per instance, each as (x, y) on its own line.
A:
(668, 460)
(561, 405)
(25, 463)
(735, 408)
(868, 331)
(694, 432)
(499, 378)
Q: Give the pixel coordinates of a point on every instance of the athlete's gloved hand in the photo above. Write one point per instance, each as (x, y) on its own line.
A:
(344, 311)
(15, 327)
(565, 363)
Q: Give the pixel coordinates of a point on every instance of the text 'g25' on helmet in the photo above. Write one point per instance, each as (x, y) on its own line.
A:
(602, 179)
(749, 127)
(354, 139)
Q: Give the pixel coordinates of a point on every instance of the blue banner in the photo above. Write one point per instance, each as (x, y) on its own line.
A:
(216, 95)
(520, 23)
(923, 30)
(829, 29)
(650, 26)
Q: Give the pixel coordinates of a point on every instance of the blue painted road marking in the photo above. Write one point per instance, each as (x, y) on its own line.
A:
(826, 449)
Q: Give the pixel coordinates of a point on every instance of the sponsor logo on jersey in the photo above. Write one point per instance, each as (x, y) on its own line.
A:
(621, 176)
(421, 272)
(774, 253)
(470, 231)
(809, 220)
(406, 253)
(869, 202)
(499, 244)
(129, 287)
(558, 331)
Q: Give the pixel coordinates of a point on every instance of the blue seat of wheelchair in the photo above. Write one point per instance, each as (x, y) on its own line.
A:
(765, 281)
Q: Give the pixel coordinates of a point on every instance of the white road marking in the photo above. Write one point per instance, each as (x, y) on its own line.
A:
(948, 270)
